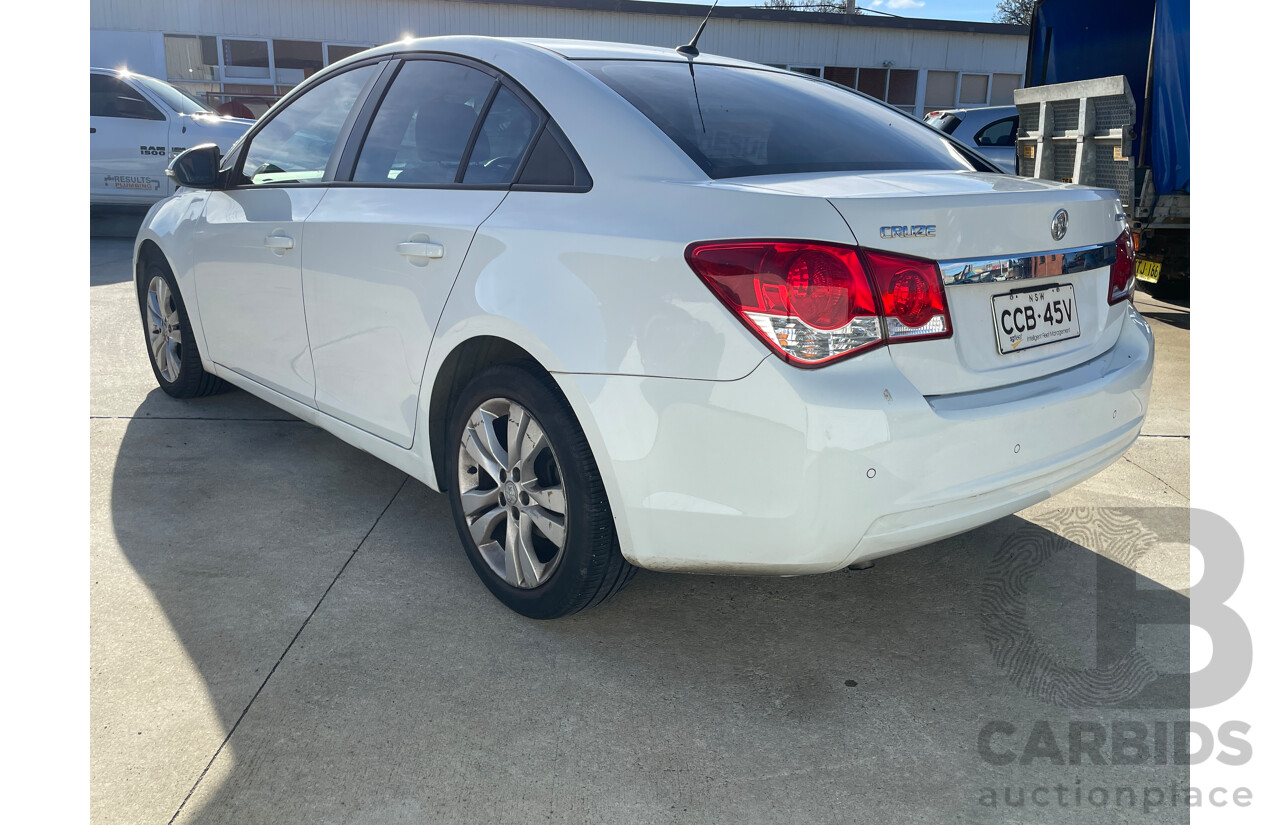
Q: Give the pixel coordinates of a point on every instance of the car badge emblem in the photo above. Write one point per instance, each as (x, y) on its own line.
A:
(1058, 228)
(916, 231)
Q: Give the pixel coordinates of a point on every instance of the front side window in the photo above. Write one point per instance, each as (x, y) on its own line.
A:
(424, 124)
(736, 122)
(112, 97)
(295, 145)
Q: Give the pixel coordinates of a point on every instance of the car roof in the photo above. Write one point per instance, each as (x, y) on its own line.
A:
(477, 45)
(605, 50)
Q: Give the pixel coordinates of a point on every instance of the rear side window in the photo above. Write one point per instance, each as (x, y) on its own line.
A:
(737, 122)
(507, 130)
(422, 128)
(1000, 133)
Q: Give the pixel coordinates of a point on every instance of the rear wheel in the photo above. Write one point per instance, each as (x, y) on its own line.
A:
(527, 498)
(175, 360)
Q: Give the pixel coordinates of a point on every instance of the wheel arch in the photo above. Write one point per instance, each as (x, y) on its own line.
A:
(148, 252)
(479, 352)
(465, 361)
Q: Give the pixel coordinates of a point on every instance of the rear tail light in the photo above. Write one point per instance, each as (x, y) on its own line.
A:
(1120, 285)
(911, 296)
(813, 303)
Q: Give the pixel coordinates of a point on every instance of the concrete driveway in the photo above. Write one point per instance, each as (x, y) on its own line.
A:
(285, 630)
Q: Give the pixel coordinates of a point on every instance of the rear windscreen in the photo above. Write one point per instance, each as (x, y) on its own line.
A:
(944, 122)
(735, 122)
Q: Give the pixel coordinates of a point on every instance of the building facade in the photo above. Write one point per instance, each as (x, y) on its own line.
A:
(241, 55)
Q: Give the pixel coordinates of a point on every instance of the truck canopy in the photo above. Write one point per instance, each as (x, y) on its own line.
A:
(1085, 39)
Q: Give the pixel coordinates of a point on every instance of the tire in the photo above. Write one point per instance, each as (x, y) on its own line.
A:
(175, 359)
(559, 562)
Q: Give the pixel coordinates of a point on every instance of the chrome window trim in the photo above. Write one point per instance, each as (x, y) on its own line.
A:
(1022, 267)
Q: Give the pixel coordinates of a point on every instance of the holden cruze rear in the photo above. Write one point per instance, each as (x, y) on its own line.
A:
(634, 306)
(943, 345)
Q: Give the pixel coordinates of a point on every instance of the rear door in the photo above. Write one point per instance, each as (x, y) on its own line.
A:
(128, 143)
(252, 238)
(385, 246)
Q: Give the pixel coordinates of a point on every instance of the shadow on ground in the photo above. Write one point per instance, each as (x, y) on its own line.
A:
(116, 221)
(411, 695)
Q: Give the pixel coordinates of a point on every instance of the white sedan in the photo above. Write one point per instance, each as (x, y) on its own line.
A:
(136, 125)
(635, 308)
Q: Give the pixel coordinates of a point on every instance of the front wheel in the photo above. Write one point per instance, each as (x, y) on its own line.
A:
(527, 498)
(175, 360)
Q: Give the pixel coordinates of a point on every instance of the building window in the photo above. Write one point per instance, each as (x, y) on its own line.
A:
(340, 51)
(940, 90)
(844, 75)
(246, 59)
(874, 82)
(902, 87)
(973, 89)
(190, 58)
(894, 86)
(296, 60)
(1002, 86)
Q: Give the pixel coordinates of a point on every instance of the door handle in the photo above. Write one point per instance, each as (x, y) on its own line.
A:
(421, 250)
(281, 242)
(93, 131)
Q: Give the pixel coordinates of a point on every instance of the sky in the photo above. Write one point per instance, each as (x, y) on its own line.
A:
(978, 10)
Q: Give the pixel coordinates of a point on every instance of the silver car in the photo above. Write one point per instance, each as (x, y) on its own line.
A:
(991, 131)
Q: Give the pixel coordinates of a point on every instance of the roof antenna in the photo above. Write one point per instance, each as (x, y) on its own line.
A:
(690, 49)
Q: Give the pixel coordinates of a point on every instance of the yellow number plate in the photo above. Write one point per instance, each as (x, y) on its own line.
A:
(1148, 271)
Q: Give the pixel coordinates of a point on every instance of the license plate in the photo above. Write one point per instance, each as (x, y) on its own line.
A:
(1148, 271)
(1033, 318)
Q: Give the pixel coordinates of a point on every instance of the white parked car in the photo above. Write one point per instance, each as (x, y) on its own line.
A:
(773, 327)
(136, 125)
(992, 131)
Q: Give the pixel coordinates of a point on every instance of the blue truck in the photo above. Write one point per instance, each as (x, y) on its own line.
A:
(1107, 103)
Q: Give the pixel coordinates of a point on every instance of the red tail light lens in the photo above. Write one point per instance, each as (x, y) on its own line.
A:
(911, 294)
(1120, 285)
(811, 303)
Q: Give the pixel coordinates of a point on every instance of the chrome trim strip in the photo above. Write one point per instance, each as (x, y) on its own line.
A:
(1017, 268)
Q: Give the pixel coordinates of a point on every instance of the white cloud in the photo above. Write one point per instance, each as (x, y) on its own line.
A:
(903, 4)
(875, 3)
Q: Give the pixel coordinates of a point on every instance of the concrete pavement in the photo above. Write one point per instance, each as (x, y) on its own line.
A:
(285, 630)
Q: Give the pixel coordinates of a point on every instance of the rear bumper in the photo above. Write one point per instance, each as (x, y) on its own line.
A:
(790, 471)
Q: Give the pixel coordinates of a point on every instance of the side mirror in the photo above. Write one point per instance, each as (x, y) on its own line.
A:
(196, 168)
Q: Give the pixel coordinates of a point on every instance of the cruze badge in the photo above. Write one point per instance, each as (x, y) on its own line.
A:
(1058, 228)
(908, 231)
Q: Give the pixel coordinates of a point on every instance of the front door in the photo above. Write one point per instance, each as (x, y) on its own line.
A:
(252, 239)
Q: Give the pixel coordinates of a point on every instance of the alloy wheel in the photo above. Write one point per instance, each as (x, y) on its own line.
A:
(164, 330)
(512, 493)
